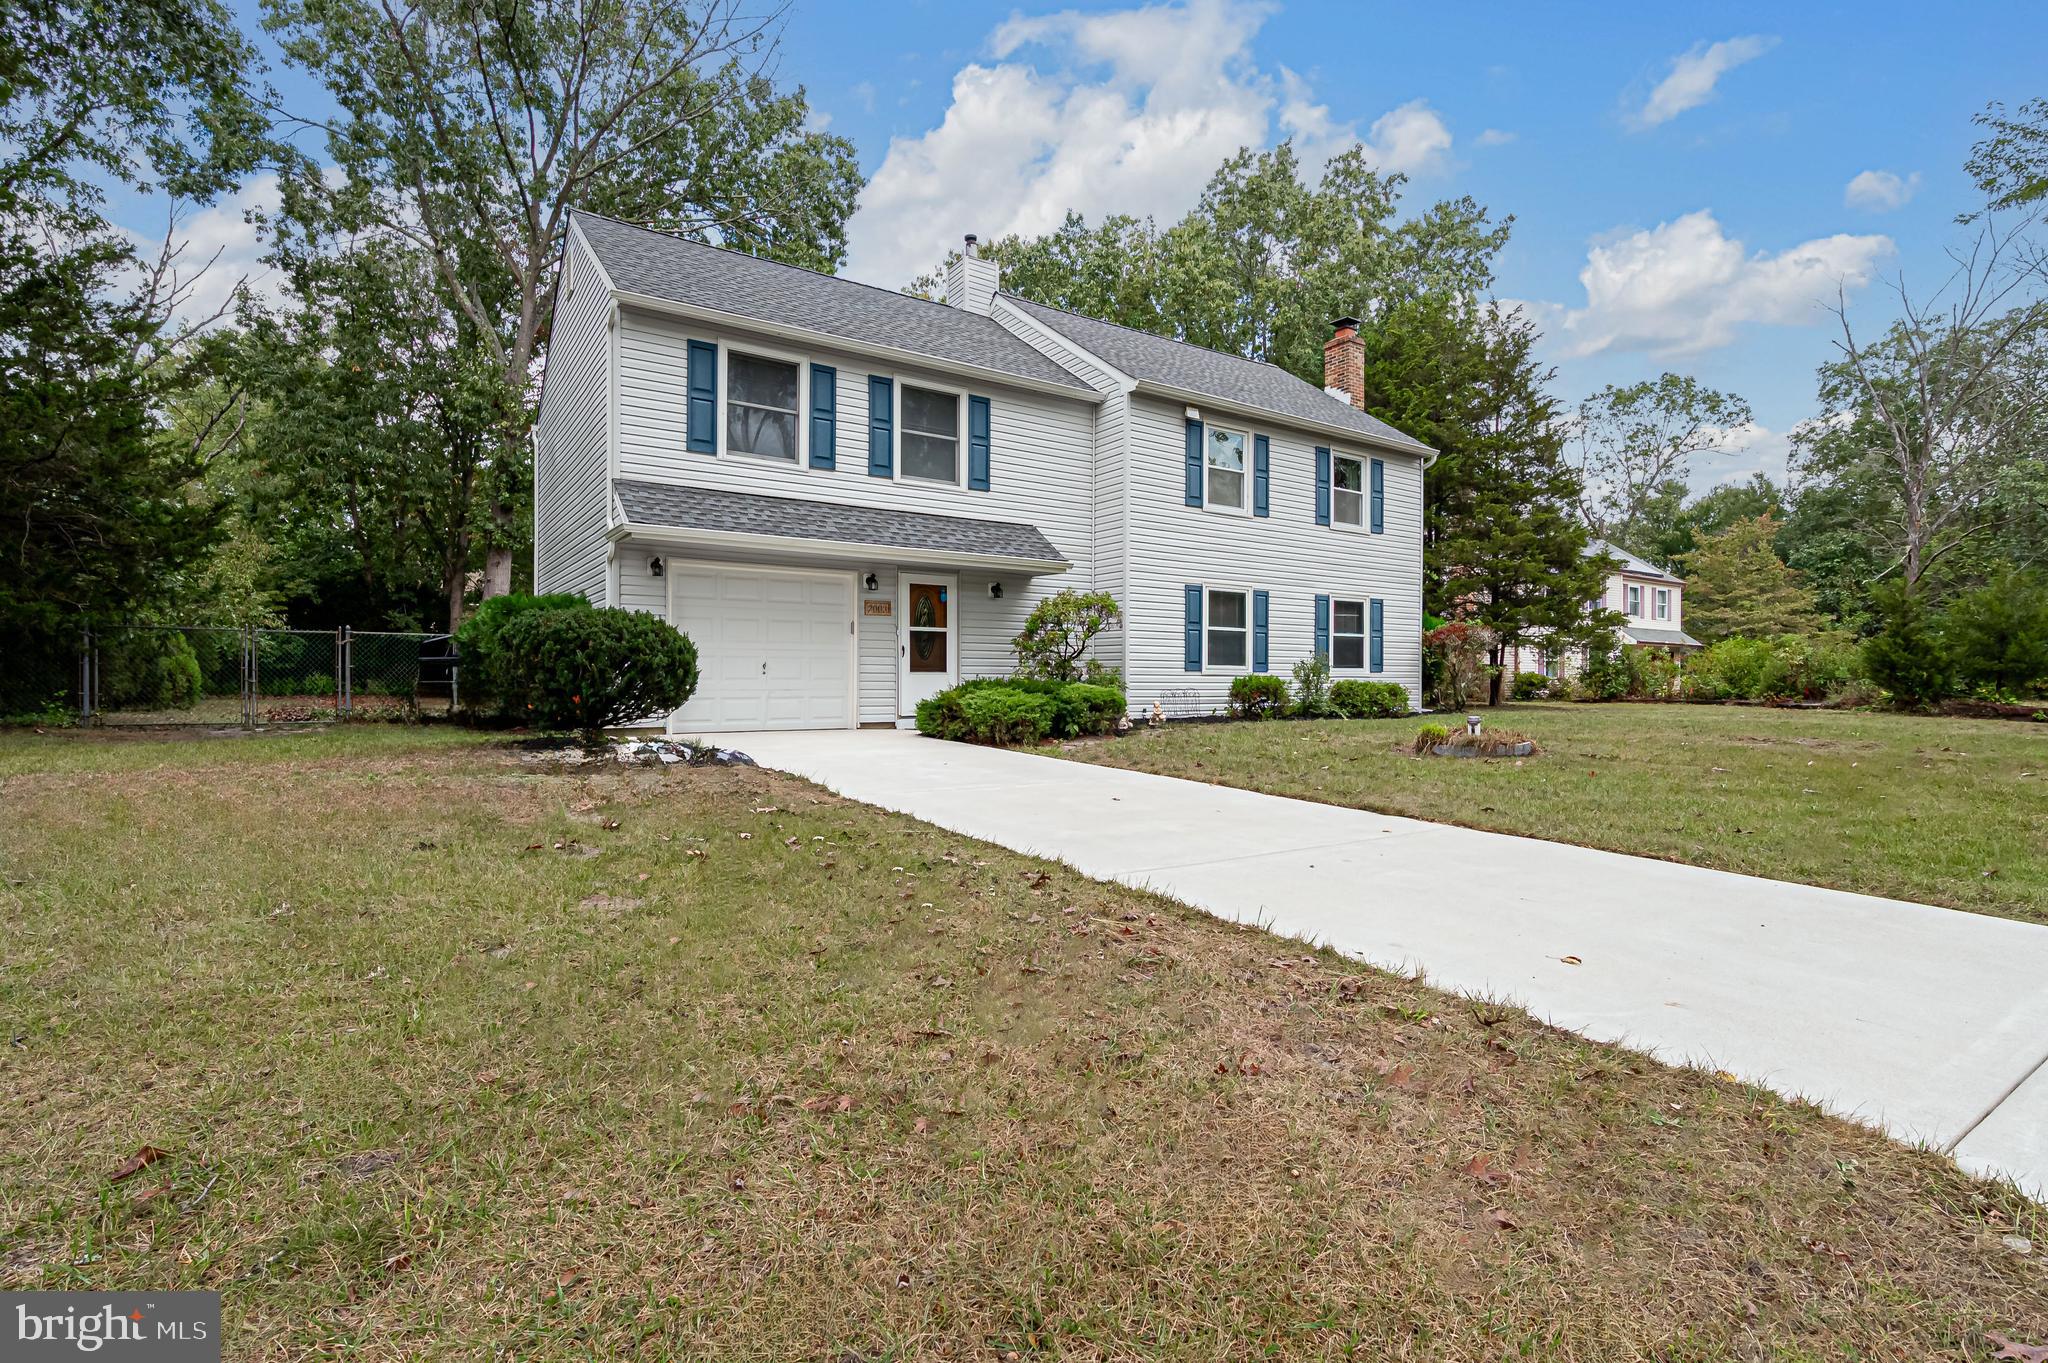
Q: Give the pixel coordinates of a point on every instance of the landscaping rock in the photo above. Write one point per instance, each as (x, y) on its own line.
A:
(644, 752)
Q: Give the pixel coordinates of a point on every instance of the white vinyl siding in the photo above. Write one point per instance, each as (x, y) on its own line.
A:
(571, 490)
(1286, 554)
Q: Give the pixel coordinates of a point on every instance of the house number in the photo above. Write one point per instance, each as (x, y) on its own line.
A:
(878, 608)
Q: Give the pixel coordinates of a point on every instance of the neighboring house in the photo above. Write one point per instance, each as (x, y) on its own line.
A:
(851, 498)
(1650, 600)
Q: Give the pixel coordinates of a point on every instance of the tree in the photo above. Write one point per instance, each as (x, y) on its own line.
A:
(2011, 164)
(1947, 409)
(1906, 655)
(1503, 546)
(1998, 634)
(469, 130)
(1058, 631)
(1737, 585)
(1633, 441)
(1673, 521)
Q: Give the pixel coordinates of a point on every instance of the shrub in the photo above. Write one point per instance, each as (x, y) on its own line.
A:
(155, 669)
(1458, 651)
(1058, 632)
(1530, 686)
(477, 639)
(1819, 666)
(586, 668)
(1312, 699)
(1736, 669)
(1059, 710)
(1998, 635)
(1428, 736)
(1907, 655)
(1357, 699)
(1630, 671)
(1258, 696)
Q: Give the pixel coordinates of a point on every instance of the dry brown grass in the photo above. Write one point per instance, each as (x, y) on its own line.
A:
(762, 1074)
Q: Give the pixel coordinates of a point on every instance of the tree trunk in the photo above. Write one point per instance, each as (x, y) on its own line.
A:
(497, 571)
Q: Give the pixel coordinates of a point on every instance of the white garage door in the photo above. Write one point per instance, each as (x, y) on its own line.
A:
(773, 647)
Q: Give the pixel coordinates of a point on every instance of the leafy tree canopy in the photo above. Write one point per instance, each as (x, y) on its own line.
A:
(1737, 585)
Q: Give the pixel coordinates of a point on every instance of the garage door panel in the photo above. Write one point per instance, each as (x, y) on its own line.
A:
(772, 649)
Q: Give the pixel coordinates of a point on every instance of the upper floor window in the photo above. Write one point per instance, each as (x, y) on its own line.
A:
(1347, 634)
(931, 434)
(1225, 481)
(1229, 632)
(1635, 600)
(1663, 603)
(1347, 491)
(761, 396)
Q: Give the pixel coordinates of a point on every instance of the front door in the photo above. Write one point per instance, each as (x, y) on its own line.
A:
(927, 638)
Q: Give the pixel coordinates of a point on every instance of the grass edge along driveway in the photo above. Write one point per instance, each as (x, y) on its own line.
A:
(1941, 811)
(452, 1055)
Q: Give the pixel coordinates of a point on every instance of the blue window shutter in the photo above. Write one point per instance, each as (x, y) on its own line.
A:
(1258, 631)
(977, 444)
(1379, 497)
(881, 426)
(1193, 495)
(1322, 485)
(824, 416)
(1262, 457)
(1379, 636)
(1322, 626)
(1193, 650)
(702, 416)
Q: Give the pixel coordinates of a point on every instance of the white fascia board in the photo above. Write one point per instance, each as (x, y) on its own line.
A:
(736, 541)
(825, 340)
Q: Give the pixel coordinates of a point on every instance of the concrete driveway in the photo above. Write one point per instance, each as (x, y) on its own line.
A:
(1926, 1021)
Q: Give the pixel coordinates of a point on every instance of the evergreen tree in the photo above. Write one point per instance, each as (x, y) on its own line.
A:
(1907, 655)
(1736, 584)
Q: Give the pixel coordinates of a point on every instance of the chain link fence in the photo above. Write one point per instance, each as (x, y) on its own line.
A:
(206, 675)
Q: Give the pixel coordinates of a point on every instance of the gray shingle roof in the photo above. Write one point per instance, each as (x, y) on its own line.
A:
(1643, 634)
(1630, 563)
(701, 508)
(662, 266)
(1227, 378)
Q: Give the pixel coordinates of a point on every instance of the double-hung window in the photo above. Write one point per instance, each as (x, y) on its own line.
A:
(1635, 601)
(1224, 454)
(931, 435)
(1347, 491)
(1347, 634)
(761, 400)
(1663, 603)
(1229, 629)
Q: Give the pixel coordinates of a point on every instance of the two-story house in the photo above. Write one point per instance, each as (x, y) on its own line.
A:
(851, 498)
(1650, 600)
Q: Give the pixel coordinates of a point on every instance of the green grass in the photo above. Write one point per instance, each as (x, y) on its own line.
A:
(1944, 811)
(458, 1057)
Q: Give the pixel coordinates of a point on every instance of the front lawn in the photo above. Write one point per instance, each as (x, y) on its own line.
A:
(1944, 811)
(454, 1056)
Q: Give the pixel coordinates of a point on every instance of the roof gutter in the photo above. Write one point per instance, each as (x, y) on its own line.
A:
(829, 340)
(739, 541)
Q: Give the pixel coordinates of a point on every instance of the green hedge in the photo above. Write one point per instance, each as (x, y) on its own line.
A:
(1357, 699)
(1020, 710)
(1785, 668)
(1259, 695)
(483, 689)
(588, 668)
(1530, 686)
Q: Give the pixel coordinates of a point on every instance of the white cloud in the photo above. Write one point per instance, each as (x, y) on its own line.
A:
(1880, 191)
(1685, 286)
(1125, 111)
(217, 249)
(1493, 137)
(1693, 76)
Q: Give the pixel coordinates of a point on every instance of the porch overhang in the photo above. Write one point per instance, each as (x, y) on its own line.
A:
(1661, 638)
(738, 523)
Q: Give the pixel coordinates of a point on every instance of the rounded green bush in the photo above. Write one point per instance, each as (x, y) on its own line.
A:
(1259, 695)
(476, 639)
(1356, 699)
(965, 713)
(592, 668)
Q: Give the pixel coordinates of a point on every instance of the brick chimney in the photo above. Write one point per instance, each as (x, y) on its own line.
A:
(971, 282)
(1344, 363)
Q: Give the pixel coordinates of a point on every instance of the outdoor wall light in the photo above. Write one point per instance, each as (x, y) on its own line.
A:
(995, 590)
(654, 567)
(871, 583)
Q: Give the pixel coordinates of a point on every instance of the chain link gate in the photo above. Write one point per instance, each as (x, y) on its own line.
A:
(222, 675)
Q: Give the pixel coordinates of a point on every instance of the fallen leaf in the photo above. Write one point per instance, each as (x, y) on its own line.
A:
(1502, 1220)
(921, 1126)
(1400, 1074)
(2025, 1353)
(137, 1162)
(1481, 1168)
(1571, 960)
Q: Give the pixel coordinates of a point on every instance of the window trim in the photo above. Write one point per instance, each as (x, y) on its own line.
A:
(1250, 471)
(1632, 600)
(1364, 635)
(1660, 602)
(897, 383)
(1209, 594)
(1364, 526)
(726, 348)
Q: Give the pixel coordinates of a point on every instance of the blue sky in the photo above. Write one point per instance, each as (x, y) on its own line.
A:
(1695, 159)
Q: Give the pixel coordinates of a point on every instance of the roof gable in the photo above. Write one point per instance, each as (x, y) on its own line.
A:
(658, 265)
(1227, 378)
